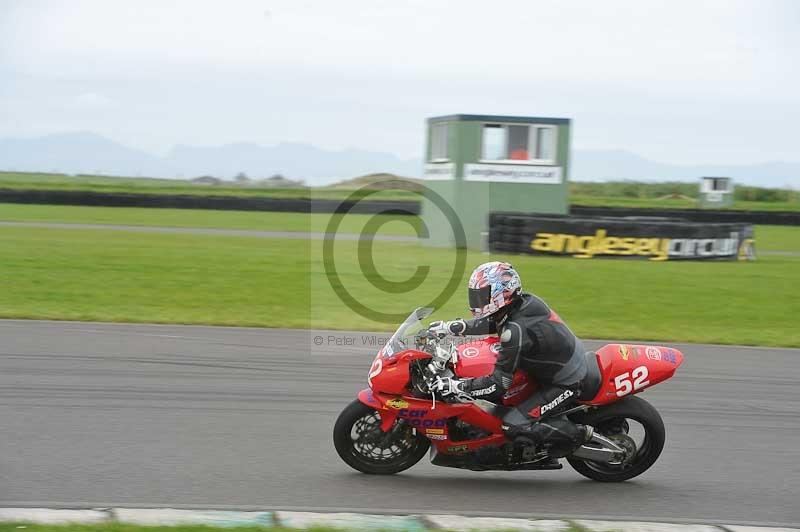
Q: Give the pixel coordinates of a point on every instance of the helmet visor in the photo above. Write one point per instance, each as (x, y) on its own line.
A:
(480, 297)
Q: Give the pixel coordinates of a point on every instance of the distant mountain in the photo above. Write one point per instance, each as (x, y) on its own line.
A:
(621, 165)
(84, 153)
(93, 154)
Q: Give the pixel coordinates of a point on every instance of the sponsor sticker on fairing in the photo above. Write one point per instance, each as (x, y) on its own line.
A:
(397, 404)
(439, 437)
(653, 353)
(458, 448)
(470, 352)
(418, 418)
(624, 352)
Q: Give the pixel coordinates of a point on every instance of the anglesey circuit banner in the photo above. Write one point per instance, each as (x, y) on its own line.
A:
(644, 238)
(513, 173)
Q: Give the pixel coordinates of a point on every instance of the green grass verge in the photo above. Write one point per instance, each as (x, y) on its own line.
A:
(777, 238)
(135, 277)
(260, 221)
(121, 527)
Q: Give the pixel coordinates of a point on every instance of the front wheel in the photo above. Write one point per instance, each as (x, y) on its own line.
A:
(361, 443)
(633, 424)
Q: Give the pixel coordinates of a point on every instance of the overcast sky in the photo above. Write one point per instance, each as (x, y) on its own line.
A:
(675, 81)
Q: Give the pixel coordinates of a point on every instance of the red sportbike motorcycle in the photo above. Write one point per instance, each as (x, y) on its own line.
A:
(393, 423)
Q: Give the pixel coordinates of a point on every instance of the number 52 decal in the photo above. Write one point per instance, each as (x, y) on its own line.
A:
(375, 370)
(623, 382)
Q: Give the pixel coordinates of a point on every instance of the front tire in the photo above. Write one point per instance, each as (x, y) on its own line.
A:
(613, 421)
(363, 446)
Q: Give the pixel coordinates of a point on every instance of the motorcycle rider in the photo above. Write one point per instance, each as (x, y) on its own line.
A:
(532, 337)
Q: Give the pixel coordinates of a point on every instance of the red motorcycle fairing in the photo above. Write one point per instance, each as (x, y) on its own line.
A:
(432, 421)
(389, 379)
(624, 369)
(628, 369)
(477, 358)
(390, 373)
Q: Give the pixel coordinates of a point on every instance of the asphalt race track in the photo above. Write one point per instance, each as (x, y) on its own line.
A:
(141, 415)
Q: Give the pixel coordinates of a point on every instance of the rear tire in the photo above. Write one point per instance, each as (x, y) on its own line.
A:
(364, 447)
(606, 418)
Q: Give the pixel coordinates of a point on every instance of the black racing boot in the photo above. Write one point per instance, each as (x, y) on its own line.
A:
(558, 437)
(559, 447)
(585, 433)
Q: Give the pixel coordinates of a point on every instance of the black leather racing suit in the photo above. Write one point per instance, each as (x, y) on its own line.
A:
(535, 339)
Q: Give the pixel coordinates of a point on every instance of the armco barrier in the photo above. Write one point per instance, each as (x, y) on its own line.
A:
(185, 201)
(643, 238)
(696, 215)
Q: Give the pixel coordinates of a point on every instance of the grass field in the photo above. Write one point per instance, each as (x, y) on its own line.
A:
(135, 277)
(251, 220)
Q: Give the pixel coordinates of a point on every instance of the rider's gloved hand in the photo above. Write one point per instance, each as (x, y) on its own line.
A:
(451, 389)
(445, 328)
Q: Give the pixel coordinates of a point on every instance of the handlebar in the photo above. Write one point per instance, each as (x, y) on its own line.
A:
(430, 342)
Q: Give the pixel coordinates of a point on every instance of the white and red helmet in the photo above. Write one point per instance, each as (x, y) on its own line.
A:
(492, 286)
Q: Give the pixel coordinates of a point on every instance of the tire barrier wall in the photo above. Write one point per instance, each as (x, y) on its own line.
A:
(643, 238)
(179, 201)
(232, 203)
(696, 215)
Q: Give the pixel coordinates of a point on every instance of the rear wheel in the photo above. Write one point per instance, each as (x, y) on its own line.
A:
(361, 443)
(633, 424)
